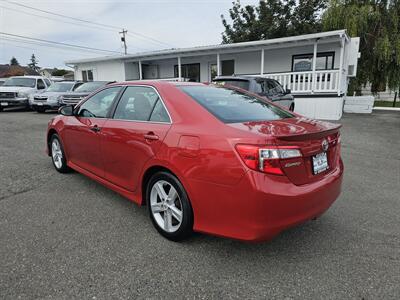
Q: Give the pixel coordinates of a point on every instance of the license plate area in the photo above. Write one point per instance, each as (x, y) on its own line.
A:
(320, 163)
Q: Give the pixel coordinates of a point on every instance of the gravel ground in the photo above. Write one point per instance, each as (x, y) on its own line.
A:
(65, 236)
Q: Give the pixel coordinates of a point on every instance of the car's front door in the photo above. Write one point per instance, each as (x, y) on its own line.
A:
(133, 135)
(82, 132)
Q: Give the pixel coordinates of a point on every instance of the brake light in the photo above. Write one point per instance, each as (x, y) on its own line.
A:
(266, 159)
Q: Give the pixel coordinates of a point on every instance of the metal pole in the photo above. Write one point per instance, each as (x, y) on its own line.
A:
(140, 70)
(179, 69)
(123, 39)
(262, 62)
(218, 65)
(314, 64)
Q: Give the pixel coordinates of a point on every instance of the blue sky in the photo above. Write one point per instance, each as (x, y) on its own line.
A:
(177, 23)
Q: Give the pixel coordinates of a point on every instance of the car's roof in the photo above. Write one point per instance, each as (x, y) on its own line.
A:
(30, 76)
(98, 81)
(157, 83)
(241, 77)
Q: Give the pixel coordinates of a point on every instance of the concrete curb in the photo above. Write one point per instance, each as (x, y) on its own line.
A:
(387, 108)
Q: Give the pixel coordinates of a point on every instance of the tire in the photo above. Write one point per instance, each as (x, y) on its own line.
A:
(40, 110)
(57, 154)
(1, 108)
(172, 219)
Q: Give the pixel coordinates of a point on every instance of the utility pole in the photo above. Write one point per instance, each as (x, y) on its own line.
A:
(123, 39)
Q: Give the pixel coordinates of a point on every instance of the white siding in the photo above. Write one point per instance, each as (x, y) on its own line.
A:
(277, 60)
(107, 70)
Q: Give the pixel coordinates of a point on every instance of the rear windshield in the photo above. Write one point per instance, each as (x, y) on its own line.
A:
(60, 87)
(232, 106)
(243, 84)
(90, 86)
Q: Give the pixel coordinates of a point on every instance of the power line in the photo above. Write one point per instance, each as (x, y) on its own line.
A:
(56, 20)
(67, 22)
(90, 22)
(59, 43)
(13, 41)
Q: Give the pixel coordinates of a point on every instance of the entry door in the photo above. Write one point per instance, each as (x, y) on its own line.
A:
(134, 135)
(82, 132)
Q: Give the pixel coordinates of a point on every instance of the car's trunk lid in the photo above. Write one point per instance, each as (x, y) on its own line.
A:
(307, 135)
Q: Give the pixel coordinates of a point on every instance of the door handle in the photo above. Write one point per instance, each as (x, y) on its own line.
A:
(151, 136)
(95, 128)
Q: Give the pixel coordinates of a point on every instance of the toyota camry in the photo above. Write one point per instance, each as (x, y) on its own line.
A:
(201, 157)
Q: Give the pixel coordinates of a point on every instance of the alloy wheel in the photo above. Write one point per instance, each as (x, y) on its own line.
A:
(56, 153)
(166, 206)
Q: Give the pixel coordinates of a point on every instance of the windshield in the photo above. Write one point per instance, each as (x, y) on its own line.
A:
(231, 106)
(243, 84)
(89, 87)
(27, 82)
(61, 87)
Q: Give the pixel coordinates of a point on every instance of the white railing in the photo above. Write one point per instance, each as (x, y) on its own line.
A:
(325, 81)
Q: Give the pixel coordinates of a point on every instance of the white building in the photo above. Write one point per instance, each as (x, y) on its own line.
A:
(315, 67)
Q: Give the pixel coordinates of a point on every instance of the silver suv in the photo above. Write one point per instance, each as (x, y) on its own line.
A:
(262, 86)
(51, 98)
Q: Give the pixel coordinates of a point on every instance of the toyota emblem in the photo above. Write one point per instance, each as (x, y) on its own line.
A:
(325, 145)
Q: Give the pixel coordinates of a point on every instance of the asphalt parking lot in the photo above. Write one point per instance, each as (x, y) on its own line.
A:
(66, 236)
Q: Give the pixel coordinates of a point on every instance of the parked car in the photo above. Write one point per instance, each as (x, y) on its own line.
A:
(16, 91)
(81, 92)
(51, 98)
(262, 86)
(202, 157)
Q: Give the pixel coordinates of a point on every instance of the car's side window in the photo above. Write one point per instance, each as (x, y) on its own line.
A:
(99, 104)
(159, 113)
(138, 104)
(48, 82)
(78, 84)
(40, 84)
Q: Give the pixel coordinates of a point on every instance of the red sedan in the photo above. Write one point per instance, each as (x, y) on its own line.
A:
(202, 157)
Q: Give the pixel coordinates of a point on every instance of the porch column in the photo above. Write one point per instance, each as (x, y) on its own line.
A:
(339, 87)
(218, 65)
(314, 63)
(262, 62)
(140, 70)
(179, 69)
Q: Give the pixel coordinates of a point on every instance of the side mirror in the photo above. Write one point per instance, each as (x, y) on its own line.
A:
(67, 110)
(288, 91)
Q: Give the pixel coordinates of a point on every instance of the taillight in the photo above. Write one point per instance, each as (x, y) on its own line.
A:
(266, 159)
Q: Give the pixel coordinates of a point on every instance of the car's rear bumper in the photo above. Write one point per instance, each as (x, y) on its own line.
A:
(261, 206)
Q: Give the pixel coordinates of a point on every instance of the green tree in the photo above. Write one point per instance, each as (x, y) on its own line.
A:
(272, 19)
(14, 61)
(34, 63)
(377, 23)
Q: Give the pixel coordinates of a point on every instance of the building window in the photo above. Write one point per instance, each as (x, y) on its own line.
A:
(190, 72)
(227, 68)
(87, 75)
(304, 62)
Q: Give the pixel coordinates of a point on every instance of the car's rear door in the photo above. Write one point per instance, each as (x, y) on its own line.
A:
(82, 132)
(133, 135)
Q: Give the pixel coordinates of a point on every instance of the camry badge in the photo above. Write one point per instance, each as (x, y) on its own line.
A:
(325, 145)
